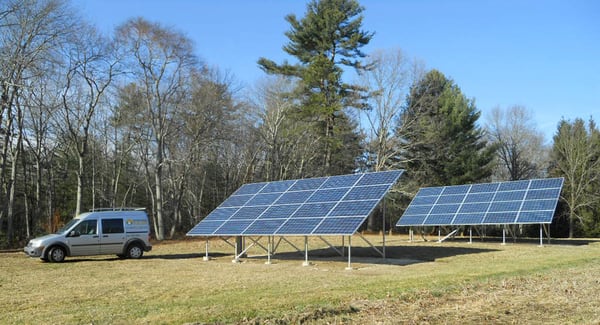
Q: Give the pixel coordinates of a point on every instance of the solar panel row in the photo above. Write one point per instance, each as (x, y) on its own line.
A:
(335, 205)
(516, 202)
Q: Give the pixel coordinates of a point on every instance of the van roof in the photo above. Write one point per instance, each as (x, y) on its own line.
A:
(111, 213)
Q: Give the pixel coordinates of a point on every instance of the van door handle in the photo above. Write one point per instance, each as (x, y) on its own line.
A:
(95, 236)
(104, 235)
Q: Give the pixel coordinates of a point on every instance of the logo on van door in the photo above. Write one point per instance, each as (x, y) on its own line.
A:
(136, 222)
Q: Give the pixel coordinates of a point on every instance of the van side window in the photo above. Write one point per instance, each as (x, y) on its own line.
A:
(87, 227)
(112, 226)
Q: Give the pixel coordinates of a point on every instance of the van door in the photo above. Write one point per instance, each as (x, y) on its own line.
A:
(84, 239)
(113, 236)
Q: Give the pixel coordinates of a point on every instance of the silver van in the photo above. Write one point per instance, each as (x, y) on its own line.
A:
(124, 232)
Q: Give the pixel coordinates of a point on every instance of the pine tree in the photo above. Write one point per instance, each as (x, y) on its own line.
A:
(446, 145)
(327, 39)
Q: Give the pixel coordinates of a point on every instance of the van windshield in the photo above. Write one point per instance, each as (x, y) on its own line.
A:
(67, 226)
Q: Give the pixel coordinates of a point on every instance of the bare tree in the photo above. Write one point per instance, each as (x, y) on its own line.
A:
(30, 34)
(576, 157)
(161, 61)
(521, 152)
(388, 82)
(90, 70)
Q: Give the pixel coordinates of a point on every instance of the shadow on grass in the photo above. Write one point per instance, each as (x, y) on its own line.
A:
(396, 255)
(528, 241)
(149, 256)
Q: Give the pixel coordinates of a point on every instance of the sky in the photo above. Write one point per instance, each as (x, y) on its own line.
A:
(540, 54)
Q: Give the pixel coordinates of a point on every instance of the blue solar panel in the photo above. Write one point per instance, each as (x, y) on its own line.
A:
(341, 181)
(294, 197)
(535, 216)
(279, 211)
(308, 184)
(354, 208)
(450, 199)
(313, 210)
(388, 177)
(299, 226)
(248, 212)
(484, 188)
(324, 205)
(430, 191)
(496, 218)
(328, 195)
(264, 227)
(366, 193)
(232, 227)
(236, 200)
(479, 197)
(332, 226)
(459, 189)
(480, 207)
(206, 227)
(516, 202)
(279, 187)
(509, 196)
(468, 219)
(264, 199)
(439, 219)
(445, 208)
(221, 214)
(426, 200)
(249, 188)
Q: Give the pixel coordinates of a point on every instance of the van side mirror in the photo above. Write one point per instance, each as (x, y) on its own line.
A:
(74, 233)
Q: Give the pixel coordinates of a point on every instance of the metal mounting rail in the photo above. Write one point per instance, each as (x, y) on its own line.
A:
(451, 234)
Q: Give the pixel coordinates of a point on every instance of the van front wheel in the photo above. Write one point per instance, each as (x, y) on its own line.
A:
(135, 251)
(56, 254)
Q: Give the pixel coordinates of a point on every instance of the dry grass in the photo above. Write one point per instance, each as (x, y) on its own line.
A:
(453, 282)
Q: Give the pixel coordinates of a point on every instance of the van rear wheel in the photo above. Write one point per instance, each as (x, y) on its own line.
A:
(56, 254)
(135, 251)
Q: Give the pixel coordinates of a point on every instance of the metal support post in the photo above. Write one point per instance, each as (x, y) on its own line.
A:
(306, 263)
(349, 267)
(269, 245)
(206, 258)
(470, 234)
(504, 235)
(383, 227)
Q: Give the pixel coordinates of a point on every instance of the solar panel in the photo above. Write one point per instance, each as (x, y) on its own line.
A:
(335, 205)
(515, 202)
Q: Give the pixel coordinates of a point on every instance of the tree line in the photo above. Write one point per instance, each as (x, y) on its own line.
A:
(136, 119)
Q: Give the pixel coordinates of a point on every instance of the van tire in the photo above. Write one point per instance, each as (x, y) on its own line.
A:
(135, 251)
(56, 254)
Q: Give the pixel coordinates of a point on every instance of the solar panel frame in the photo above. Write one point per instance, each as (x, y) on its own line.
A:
(335, 205)
(515, 202)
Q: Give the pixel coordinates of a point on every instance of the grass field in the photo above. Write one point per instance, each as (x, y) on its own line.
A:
(420, 283)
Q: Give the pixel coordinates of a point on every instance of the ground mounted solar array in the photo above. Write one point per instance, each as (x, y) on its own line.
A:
(517, 202)
(335, 205)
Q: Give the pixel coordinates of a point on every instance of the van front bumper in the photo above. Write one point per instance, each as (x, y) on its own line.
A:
(33, 251)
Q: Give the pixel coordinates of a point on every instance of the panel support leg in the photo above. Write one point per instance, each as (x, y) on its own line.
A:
(541, 235)
(504, 235)
(470, 234)
(349, 267)
(383, 232)
(306, 263)
(206, 258)
(269, 245)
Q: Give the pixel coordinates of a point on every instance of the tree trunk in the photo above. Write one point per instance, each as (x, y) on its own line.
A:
(160, 231)
(79, 186)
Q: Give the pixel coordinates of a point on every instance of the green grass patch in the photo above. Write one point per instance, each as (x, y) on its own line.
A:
(422, 282)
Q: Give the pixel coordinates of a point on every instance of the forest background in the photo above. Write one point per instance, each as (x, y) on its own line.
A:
(134, 118)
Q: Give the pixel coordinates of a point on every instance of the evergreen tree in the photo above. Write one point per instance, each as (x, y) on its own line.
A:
(446, 147)
(328, 38)
(576, 157)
